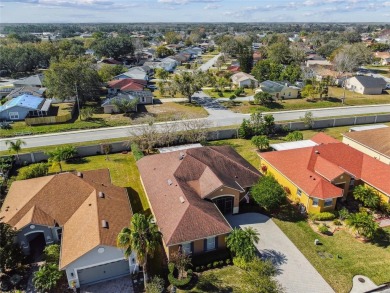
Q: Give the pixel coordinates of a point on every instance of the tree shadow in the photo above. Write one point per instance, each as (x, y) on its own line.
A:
(210, 283)
(289, 213)
(77, 160)
(276, 257)
(382, 238)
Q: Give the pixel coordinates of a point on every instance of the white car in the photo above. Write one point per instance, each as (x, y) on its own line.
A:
(388, 86)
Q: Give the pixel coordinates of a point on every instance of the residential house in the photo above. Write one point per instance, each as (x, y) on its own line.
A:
(374, 143)
(279, 90)
(234, 68)
(166, 65)
(324, 63)
(26, 90)
(383, 56)
(125, 84)
(242, 79)
(24, 106)
(138, 72)
(317, 176)
(82, 211)
(189, 192)
(365, 85)
(144, 97)
(33, 80)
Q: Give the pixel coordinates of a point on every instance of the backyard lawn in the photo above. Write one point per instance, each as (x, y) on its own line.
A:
(160, 112)
(123, 171)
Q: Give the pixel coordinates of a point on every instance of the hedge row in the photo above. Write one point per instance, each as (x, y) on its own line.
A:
(325, 216)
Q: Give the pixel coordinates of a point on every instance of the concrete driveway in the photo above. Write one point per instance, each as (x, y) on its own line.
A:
(120, 285)
(295, 273)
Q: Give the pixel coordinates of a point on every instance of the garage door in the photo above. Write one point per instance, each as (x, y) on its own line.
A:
(104, 272)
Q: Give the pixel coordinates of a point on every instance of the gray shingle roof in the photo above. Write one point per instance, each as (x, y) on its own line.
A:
(371, 82)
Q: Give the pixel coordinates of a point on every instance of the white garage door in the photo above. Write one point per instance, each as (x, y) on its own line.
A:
(104, 272)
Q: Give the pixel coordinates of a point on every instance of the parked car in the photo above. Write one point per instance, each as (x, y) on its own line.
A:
(388, 86)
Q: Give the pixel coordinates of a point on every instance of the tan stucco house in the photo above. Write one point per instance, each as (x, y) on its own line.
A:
(365, 85)
(83, 212)
(190, 191)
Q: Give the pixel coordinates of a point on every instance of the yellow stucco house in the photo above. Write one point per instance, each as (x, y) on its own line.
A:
(318, 176)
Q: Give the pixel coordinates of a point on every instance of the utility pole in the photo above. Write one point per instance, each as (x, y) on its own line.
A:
(77, 98)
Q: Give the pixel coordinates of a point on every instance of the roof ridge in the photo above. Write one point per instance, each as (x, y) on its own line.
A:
(231, 160)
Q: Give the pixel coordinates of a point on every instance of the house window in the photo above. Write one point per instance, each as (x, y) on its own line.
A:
(315, 201)
(352, 183)
(289, 94)
(299, 192)
(59, 234)
(13, 115)
(328, 202)
(210, 243)
(186, 248)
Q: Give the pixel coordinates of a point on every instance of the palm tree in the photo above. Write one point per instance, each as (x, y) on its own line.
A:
(15, 146)
(242, 243)
(60, 154)
(142, 237)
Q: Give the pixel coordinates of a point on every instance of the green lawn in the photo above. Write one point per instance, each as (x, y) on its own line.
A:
(227, 279)
(335, 93)
(160, 112)
(123, 171)
(355, 257)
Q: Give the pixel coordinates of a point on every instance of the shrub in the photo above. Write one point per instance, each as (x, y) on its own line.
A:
(197, 269)
(137, 153)
(232, 97)
(209, 266)
(202, 268)
(325, 216)
(239, 262)
(52, 253)
(221, 263)
(343, 214)
(268, 193)
(368, 196)
(220, 94)
(215, 264)
(363, 223)
(384, 207)
(155, 285)
(337, 222)
(182, 282)
(171, 267)
(323, 229)
(228, 261)
(33, 171)
(189, 272)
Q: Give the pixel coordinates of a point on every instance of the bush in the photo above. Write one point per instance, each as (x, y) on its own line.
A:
(33, 171)
(323, 229)
(215, 264)
(343, 214)
(155, 285)
(228, 261)
(221, 263)
(171, 267)
(137, 153)
(220, 94)
(202, 268)
(239, 262)
(368, 196)
(209, 266)
(52, 253)
(197, 269)
(182, 282)
(337, 222)
(268, 193)
(325, 216)
(385, 207)
(239, 91)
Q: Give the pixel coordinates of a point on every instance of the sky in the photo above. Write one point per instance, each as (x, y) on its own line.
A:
(76, 11)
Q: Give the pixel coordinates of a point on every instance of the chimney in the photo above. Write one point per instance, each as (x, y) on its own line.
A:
(317, 152)
(79, 174)
(101, 194)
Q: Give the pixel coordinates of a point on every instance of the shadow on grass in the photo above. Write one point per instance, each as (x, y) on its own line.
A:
(289, 213)
(135, 201)
(382, 238)
(207, 283)
(78, 160)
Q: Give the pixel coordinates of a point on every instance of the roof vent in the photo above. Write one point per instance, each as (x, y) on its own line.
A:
(101, 194)
(317, 151)
(104, 224)
(169, 182)
(182, 200)
(79, 174)
(181, 157)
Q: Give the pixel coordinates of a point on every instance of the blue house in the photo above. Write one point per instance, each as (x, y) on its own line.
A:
(24, 106)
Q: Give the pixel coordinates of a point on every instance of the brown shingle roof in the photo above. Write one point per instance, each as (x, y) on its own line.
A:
(176, 188)
(375, 139)
(73, 203)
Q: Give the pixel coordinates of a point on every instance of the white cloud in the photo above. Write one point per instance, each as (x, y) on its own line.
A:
(211, 6)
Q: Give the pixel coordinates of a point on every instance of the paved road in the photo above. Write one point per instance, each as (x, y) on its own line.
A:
(208, 64)
(296, 274)
(218, 116)
(377, 75)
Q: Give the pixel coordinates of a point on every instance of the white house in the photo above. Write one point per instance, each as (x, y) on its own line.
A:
(365, 85)
(279, 90)
(242, 79)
